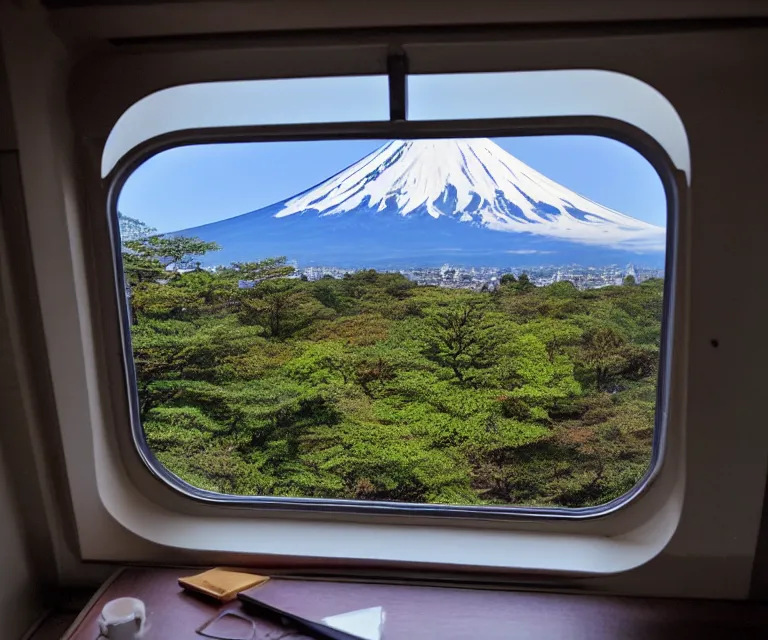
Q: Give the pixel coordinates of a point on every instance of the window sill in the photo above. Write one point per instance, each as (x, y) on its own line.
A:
(419, 611)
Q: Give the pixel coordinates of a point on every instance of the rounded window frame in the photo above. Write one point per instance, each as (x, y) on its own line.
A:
(623, 132)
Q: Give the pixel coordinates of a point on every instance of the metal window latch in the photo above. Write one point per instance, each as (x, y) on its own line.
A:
(397, 70)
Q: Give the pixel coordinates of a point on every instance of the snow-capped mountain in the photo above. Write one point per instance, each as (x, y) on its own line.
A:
(430, 200)
(475, 181)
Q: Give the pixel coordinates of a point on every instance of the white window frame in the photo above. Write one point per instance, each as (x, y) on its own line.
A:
(503, 127)
(173, 116)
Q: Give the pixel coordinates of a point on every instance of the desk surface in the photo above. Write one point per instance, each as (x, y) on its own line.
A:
(434, 612)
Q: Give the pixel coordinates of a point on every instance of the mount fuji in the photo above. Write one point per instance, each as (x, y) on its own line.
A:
(426, 202)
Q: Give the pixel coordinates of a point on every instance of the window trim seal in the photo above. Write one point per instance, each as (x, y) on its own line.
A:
(601, 126)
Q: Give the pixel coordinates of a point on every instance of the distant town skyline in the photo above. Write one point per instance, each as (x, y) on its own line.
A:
(480, 278)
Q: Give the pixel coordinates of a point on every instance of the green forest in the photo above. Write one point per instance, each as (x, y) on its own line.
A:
(252, 381)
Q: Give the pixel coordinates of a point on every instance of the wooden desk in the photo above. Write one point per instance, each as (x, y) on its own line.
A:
(439, 613)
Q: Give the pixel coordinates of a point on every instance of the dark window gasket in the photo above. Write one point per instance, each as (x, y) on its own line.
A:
(615, 129)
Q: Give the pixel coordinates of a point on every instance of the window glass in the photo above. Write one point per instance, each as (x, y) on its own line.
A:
(452, 321)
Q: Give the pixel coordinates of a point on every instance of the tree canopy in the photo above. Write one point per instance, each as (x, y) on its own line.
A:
(255, 382)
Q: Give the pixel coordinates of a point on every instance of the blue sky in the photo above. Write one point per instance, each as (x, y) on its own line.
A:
(194, 185)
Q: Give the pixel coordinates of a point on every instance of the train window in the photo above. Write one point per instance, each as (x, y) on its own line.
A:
(464, 322)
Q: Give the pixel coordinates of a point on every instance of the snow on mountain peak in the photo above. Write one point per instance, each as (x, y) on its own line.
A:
(474, 181)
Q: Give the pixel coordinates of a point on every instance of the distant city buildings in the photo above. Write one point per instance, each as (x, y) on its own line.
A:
(479, 278)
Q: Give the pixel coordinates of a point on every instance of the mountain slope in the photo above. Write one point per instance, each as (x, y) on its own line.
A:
(450, 199)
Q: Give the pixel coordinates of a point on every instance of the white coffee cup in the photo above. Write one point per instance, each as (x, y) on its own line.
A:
(123, 619)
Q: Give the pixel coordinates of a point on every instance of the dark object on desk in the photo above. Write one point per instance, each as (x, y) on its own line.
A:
(312, 629)
(206, 631)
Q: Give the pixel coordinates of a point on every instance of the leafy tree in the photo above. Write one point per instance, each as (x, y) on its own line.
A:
(534, 380)
(172, 252)
(133, 229)
(281, 306)
(146, 260)
(524, 283)
(603, 355)
(141, 268)
(629, 281)
(267, 269)
(330, 293)
(323, 363)
(562, 289)
(460, 338)
(558, 336)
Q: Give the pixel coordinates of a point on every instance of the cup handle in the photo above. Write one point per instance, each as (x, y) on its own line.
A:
(140, 615)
